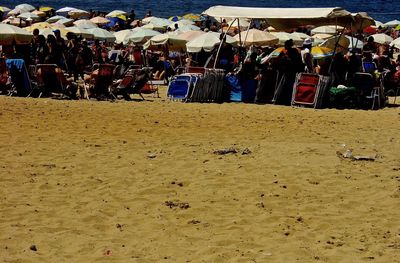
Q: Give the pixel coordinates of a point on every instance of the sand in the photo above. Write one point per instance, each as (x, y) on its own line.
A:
(139, 182)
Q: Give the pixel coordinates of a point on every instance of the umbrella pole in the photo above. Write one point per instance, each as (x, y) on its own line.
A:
(220, 44)
(248, 29)
(336, 45)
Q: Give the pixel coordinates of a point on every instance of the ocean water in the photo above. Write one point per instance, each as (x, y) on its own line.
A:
(382, 10)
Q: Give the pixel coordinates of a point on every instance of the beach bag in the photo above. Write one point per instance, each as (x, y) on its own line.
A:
(342, 97)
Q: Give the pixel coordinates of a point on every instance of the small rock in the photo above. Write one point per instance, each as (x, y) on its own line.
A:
(33, 248)
(151, 155)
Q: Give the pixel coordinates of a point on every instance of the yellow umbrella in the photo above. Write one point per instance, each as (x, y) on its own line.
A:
(192, 17)
(45, 8)
(321, 52)
(4, 9)
(40, 25)
(39, 13)
(122, 17)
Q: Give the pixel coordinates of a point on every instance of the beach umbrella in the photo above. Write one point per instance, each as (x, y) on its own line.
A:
(284, 36)
(342, 43)
(322, 36)
(54, 19)
(117, 13)
(355, 43)
(300, 35)
(65, 9)
(98, 20)
(29, 15)
(10, 33)
(16, 11)
(102, 34)
(78, 13)
(257, 38)
(122, 36)
(157, 21)
(84, 23)
(278, 51)
(39, 25)
(207, 42)
(378, 23)
(326, 30)
(25, 7)
(80, 32)
(321, 52)
(397, 27)
(382, 38)
(396, 43)
(65, 21)
(392, 23)
(4, 9)
(186, 28)
(172, 41)
(46, 8)
(370, 30)
(174, 18)
(190, 35)
(39, 13)
(191, 16)
(14, 21)
(141, 35)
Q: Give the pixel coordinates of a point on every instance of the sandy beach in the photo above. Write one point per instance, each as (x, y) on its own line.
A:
(87, 181)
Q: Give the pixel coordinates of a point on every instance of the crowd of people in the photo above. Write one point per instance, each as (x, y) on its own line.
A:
(76, 56)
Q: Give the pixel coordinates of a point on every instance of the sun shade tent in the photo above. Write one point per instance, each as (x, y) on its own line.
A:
(284, 18)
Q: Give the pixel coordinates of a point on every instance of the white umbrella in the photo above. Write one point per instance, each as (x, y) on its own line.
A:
(283, 37)
(26, 7)
(322, 36)
(326, 30)
(378, 23)
(382, 38)
(396, 43)
(157, 21)
(80, 32)
(10, 33)
(300, 35)
(4, 9)
(65, 21)
(207, 42)
(122, 36)
(77, 13)
(16, 11)
(65, 9)
(186, 28)
(392, 23)
(102, 34)
(174, 42)
(29, 15)
(255, 37)
(116, 13)
(141, 35)
(355, 43)
(54, 19)
(84, 23)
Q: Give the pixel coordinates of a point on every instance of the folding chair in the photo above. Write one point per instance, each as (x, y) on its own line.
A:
(50, 79)
(101, 80)
(179, 88)
(20, 81)
(367, 88)
(305, 90)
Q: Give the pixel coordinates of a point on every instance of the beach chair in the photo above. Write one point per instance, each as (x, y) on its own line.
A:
(129, 84)
(369, 92)
(308, 90)
(369, 67)
(179, 87)
(101, 81)
(50, 80)
(20, 81)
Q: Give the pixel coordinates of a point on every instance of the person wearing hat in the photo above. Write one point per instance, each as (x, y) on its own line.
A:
(306, 55)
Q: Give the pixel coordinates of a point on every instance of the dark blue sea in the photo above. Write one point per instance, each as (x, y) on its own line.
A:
(383, 10)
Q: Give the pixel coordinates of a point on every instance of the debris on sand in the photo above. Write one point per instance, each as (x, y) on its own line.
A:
(181, 205)
(349, 155)
(232, 150)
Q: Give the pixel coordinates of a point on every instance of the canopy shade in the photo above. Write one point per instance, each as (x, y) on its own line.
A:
(283, 18)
